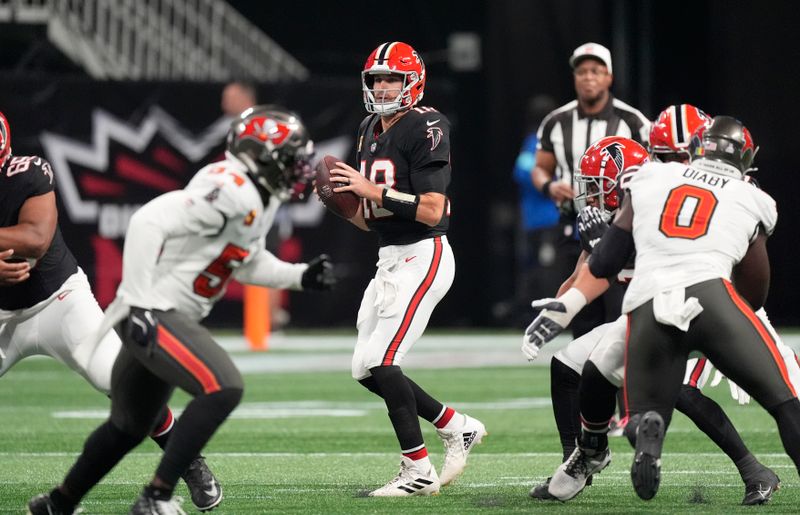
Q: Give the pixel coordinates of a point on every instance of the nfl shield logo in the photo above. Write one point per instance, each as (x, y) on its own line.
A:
(372, 147)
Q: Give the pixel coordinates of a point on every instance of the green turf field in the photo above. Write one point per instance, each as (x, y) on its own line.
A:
(315, 442)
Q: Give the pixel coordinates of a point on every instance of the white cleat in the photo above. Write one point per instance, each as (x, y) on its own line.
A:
(457, 445)
(570, 477)
(411, 480)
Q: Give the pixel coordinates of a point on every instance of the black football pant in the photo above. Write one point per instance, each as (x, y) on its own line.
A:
(182, 354)
(731, 336)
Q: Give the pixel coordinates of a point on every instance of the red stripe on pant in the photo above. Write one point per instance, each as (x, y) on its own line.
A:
(172, 346)
(411, 310)
(766, 337)
(697, 372)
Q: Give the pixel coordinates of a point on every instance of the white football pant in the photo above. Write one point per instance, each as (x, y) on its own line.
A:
(64, 327)
(398, 302)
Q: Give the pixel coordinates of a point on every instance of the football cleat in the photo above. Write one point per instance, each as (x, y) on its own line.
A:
(759, 490)
(571, 476)
(204, 488)
(146, 505)
(457, 445)
(43, 505)
(411, 480)
(646, 468)
(540, 491)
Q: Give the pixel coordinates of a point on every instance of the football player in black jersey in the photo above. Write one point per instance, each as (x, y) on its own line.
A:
(404, 159)
(46, 303)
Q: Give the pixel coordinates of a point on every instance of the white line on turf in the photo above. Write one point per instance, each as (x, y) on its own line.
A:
(315, 408)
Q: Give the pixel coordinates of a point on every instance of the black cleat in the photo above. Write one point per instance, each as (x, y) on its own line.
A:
(540, 491)
(43, 505)
(204, 488)
(759, 490)
(646, 468)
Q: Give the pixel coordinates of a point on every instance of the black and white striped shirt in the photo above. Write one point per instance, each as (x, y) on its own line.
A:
(567, 132)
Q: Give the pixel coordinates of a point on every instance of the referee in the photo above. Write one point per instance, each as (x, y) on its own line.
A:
(564, 136)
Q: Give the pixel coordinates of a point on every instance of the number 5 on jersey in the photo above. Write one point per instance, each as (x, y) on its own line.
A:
(381, 173)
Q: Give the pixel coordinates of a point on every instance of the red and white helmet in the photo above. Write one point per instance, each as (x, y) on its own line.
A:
(599, 169)
(5, 140)
(672, 132)
(399, 59)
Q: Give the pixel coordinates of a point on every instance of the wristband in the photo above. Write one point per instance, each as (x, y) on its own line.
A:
(403, 205)
(546, 188)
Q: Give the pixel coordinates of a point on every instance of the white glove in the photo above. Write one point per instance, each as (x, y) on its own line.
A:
(555, 316)
(737, 393)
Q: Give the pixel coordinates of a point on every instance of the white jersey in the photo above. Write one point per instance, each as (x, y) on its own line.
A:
(690, 226)
(183, 247)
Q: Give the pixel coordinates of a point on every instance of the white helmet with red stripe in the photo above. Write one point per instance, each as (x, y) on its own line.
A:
(395, 58)
(5, 140)
(672, 132)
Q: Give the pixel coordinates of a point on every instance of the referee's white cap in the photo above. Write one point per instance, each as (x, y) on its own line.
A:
(594, 50)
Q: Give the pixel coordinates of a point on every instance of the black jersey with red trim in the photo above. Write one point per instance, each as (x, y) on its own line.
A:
(413, 157)
(21, 178)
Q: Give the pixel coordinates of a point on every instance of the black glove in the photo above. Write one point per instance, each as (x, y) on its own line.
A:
(591, 227)
(319, 274)
(141, 327)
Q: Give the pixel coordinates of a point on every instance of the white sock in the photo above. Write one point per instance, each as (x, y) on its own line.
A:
(456, 422)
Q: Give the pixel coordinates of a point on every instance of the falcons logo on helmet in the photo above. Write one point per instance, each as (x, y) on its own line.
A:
(435, 135)
(614, 152)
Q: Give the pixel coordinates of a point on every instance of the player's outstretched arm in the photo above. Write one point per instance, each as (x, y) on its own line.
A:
(35, 228)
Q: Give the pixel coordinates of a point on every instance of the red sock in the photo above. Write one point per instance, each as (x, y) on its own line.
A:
(416, 454)
(444, 418)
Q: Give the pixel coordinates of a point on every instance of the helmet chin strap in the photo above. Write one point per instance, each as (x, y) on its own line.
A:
(718, 167)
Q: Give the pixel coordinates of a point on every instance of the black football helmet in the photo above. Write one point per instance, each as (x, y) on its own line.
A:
(725, 140)
(5, 140)
(275, 146)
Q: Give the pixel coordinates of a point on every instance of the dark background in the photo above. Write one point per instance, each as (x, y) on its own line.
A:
(727, 57)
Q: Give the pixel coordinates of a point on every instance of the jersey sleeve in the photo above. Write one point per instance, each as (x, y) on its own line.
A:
(429, 142)
(429, 153)
(32, 175)
(267, 270)
(767, 210)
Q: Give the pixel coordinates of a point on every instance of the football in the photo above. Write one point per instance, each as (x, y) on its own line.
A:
(344, 204)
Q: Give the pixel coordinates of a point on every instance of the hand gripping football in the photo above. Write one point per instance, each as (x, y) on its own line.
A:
(345, 203)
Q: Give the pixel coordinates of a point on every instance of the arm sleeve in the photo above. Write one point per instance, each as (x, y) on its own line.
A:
(267, 270)
(171, 215)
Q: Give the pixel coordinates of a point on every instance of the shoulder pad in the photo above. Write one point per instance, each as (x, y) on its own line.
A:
(31, 169)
